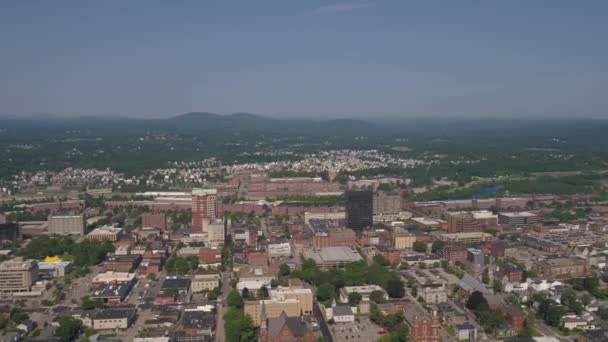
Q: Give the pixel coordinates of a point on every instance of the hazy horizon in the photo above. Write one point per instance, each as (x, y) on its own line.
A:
(315, 59)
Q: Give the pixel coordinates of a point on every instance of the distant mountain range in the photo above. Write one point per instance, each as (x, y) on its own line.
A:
(254, 122)
(196, 123)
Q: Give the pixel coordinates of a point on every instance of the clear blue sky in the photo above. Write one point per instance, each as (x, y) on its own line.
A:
(305, 57)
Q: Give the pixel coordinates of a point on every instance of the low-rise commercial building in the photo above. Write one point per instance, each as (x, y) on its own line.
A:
(332, 256)
(112, 293)
(201, 282)
(113, 277)
(49, 270)
(517, 219)
(105, 233)
(364, 291)
(467, 238)
(402, 239)
(433, 292)
(112, 319)
(279, 250)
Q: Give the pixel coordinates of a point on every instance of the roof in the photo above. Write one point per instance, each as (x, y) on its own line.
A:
(519, 214)
(197, 191)
(333, 254)
(114, 313)
(294, 324)
(464, 326)
(342, 310)
(470, 284)
(198, 320)
(176, 283)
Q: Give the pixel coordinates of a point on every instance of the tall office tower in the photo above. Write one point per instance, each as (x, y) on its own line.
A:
(359, 209)
(18, 275)
(203, 207)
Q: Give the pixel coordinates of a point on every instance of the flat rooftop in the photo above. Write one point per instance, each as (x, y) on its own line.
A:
(333, 254)
(519, 214)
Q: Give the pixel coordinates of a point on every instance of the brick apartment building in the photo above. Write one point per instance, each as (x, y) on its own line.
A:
(203, 207)
(423, 328)
(258, 258)
(475, 221)
(515, 317)
(453, 253)
(122, 263)
(210, 256)
(564, 268)
(512, 273)
(154, 220)
(335, 237)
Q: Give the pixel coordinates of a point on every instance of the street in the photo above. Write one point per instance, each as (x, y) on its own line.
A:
(219, 330)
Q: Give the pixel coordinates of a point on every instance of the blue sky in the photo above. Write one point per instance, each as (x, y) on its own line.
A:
(390, 58)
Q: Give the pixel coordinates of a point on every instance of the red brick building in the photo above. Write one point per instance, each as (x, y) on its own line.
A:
(258, 258)
(512, 273)
(453, 254)
(285, 329)
(203, 207)
(164, 299)
(154, 220)
(335, 237)
(391, 256)
(515, 317)
(122, 263)
(210, 256)
(424, 329)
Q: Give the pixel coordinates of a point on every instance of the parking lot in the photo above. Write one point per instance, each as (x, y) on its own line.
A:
(361, 330)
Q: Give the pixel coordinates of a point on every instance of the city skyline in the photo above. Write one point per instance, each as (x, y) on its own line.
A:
(314, 59)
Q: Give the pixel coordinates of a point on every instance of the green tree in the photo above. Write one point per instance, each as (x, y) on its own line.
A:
(68, 329)
(325, 292)
(354, 298)
(437, 245)
(380, 260)
(569, 300)
(485, 277)
(395, 288)
(234, 299)
(284, 270)
(554, 315)
(377, 296)
(264, 292)
(476, 301)
(89, 304)
(420, 246)
(18, 316)
(238, 327)
(497, 286)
